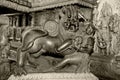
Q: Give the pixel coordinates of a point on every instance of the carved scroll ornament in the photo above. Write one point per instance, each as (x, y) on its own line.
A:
(73, 18)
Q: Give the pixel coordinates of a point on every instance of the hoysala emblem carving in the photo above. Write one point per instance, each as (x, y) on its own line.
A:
(58, 53)
(59, 40)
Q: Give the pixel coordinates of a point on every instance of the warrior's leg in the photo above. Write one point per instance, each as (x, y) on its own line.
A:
(62, 64)
(72, 59)
(58, 66)
(80, 60)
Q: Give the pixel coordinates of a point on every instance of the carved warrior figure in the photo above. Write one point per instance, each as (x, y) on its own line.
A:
(37, 42)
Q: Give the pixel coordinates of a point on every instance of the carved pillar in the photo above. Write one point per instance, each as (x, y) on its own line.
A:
(10, 21)
(24, 20)
(33, 19)
(16, 21)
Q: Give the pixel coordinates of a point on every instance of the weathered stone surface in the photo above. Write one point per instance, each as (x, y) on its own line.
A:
(56, 76)
(106, 20)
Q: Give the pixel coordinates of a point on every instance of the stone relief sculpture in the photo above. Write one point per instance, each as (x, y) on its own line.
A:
(105, 59)
(109, 25)
(37, 42)
(47, 43)
(61, 39)
(103, 26)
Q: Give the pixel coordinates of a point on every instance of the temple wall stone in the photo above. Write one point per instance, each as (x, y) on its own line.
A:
(106, 20)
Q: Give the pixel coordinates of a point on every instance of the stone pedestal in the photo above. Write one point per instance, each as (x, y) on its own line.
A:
(56, 76)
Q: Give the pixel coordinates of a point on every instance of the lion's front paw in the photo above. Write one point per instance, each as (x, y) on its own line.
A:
(18, 71)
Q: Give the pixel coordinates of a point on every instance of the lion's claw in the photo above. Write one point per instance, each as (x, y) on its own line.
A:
(19, 71)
